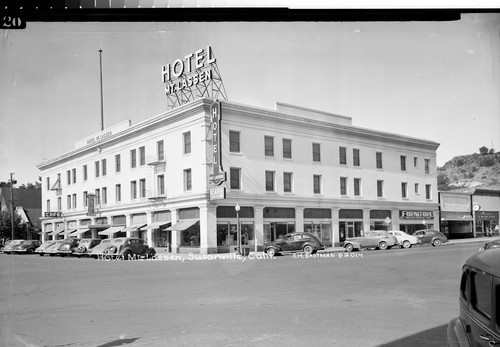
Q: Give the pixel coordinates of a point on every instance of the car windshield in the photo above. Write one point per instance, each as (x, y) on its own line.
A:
(14, 242)
(27, 242)
(118, 241)
(85, 241)
(106, 241)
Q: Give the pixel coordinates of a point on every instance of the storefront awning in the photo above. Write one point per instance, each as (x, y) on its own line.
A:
(56, 232)
(67, 231)
(133, 227)
(79, 231)
(183, 224)
(157, 225)
(111, 231)
(456, 216)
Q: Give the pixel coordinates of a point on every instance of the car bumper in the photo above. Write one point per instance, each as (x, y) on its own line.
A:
(456, 335)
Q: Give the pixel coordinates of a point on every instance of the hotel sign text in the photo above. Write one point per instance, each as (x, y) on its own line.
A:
(193, 69)
(218, 175)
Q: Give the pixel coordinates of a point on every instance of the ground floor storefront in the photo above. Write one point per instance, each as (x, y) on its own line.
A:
(214, 228)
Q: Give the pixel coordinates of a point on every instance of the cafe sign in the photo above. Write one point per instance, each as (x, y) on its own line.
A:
(218, 175)
(415, 215)
(53, 214)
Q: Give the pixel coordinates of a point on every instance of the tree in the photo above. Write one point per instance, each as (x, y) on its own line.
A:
(443, 182)
(6, 226)
(483, 150)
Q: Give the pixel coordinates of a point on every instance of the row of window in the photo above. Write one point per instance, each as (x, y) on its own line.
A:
(137, 159)
(138, 156)
(234, 147)
(137, 190)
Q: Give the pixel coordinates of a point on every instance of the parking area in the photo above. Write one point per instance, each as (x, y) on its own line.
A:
(363, 298)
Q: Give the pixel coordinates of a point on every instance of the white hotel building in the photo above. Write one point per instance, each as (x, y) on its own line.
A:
(289, 169)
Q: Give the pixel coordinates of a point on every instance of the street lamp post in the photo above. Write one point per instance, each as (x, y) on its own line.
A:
(238, 231)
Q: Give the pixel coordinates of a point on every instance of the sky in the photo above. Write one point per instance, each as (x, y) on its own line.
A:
(438, 81)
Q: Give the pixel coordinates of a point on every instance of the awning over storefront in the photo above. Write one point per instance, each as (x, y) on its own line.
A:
(183, 224)
(111, 231)
(157, 225)
(56, 232)
(456, 216)
(133, 227)
(67, 231)
(79, 231)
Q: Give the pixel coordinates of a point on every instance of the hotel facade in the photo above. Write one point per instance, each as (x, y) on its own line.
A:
(291, 169)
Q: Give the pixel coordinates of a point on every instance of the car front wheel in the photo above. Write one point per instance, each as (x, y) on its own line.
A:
(436, 242)
(349, 247)
(406, 244)
(271, 252)
(308, 250)
(382, 245)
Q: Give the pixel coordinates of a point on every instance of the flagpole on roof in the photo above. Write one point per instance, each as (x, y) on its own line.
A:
(102, 109)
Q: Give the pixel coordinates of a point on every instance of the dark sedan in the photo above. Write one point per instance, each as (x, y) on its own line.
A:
(430, 236)
(294, 242)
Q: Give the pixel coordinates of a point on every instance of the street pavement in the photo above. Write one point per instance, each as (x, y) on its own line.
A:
(373, 298)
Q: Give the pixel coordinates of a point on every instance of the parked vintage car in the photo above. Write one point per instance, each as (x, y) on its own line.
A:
(490, 244)
(404, 240)
(431, 236)
(9, 245)
(100, 248)
(42, 249)
(26, 247)
(63, 247)
(378, 239)
(294, 242)
(85, 247)
(129, 248)
(479, 297)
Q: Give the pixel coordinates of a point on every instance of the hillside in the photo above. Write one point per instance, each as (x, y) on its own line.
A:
(467, 171)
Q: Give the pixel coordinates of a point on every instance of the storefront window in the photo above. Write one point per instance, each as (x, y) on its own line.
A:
(161, 238)
(322, 230)
(350, 229)
(276, 230)
(191, 236)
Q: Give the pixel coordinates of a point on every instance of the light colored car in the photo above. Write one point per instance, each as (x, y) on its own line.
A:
(54, 249)
(100, 248)
(405, 240)
(377, 239)
(26, 247)
(85, 247)
(479, 298)
(7, 249)
(44, 246)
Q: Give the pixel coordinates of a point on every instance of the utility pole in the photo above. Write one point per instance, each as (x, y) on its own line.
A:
(12, 182)
(102, 107)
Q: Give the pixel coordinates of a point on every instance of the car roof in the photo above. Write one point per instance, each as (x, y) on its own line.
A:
(488, 261)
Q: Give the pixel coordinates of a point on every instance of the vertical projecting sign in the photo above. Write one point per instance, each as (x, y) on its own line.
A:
(218, 175)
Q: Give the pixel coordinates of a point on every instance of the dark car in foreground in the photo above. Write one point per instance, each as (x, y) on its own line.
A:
(430, 236)
(490, 244)
(377, 239)
(9, 245)
(26, 247)
(294, 242)
(478, 323)
(129, 248)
